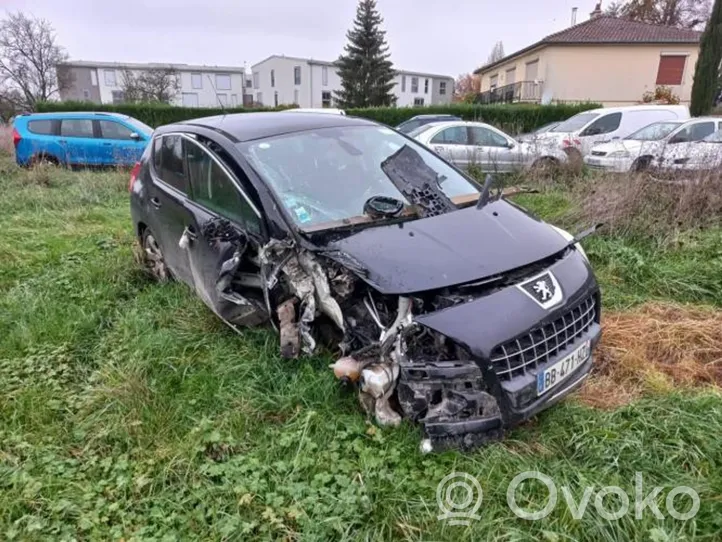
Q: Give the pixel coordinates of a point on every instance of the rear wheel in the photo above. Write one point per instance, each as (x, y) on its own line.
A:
(153, 257)
(43, 159)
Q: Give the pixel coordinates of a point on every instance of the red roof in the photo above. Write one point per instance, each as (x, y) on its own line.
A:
(610, 30)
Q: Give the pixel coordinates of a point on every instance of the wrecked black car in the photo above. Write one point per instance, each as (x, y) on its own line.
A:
(447, 305)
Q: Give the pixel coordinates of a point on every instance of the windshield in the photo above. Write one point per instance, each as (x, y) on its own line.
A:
(576, 123)
(714, 138)
(328, 174)
(654, 132)
(140, 126)
(420, 130)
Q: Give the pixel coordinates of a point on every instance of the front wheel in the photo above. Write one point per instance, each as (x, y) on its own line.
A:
(641, 164)
(153, 257)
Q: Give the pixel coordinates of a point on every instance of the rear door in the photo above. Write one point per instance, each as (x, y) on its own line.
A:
(492, 150)
(453, 143)
(79, 143)
(224, 230)
(118, 147)
(167, 212)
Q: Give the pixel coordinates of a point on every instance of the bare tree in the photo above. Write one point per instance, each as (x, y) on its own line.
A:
(680, 13)
(28, 60)
(497, 53)
(153, 85)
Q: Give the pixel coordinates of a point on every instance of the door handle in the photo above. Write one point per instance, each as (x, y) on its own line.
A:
(155, 202)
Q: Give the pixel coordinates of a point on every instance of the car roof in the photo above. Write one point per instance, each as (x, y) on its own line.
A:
(249, 126)
(649, 107)
(451, 123)
(438, 116)
(71, 114)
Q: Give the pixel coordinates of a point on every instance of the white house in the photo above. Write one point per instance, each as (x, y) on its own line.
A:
(311, 83)
(199, 86)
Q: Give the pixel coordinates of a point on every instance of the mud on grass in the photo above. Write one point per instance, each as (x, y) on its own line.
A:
(129, 411)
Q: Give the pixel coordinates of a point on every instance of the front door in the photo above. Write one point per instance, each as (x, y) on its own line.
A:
(492, 150)
(117, 145)
(222, 233)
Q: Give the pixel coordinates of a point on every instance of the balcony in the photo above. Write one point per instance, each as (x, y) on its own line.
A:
(523, 91)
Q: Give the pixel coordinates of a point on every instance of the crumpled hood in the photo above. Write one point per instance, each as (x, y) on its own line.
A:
(453, 248)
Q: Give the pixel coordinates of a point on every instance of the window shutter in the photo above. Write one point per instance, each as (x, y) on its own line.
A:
(671, 69)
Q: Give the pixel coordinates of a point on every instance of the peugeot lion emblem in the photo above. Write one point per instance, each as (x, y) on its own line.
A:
(544, 289)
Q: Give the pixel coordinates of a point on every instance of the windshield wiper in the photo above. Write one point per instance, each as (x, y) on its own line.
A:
(485, 194)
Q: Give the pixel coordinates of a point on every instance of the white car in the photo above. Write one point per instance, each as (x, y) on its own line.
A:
(329, 110)
(705, 155)
(641, 149)
(580, 133)
(474, 143)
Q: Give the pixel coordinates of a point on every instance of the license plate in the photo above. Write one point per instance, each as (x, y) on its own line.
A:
(593, 161)
(558, 372)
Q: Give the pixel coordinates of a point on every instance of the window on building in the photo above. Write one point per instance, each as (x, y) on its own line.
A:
(324, 76)
(457, 135)
(418, 101)
(403, 83)
(190, 99)
(297, 75)
(493, 81)
(532, 70)
(671, 69)
(93, 78)
(426, 86)
(110, 80)
(603, 125)
(169, 163)
(295, 96)
(442, 88)
(326, 99)
(76, 128)
(510, 76)
(249, 83)
(86, 94)
(214, 188)
(234, 100)
(114, 130)
(255, 80)
(273, 78)
(275, 98)
(223, 81)
(414, 85)
(118, 96)
(222, 99)
(259, 98)
(196, 80)
(44, 127)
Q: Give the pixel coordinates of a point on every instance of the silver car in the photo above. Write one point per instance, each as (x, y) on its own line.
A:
(477, 144)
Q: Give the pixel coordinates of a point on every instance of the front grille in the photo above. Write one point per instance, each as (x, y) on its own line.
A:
(527, 352)
(599, 153)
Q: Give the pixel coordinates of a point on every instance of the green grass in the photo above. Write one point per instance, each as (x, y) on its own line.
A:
(129, 411)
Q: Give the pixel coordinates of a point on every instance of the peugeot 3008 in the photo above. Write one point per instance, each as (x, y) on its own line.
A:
(447, 307)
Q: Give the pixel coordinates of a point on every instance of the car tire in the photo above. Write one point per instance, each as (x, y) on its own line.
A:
(153, 257)
(545, 165)
(40, 159)
(641, 164)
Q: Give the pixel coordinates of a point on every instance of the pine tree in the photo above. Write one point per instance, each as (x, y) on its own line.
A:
(367, 74)
(706, 74)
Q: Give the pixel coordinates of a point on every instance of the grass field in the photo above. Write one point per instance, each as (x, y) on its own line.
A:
(128, 411)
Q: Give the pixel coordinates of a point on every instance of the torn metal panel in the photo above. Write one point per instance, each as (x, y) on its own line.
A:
(290, 345)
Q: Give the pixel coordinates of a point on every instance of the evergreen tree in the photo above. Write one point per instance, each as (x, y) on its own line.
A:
(706, 74)
(367, 74)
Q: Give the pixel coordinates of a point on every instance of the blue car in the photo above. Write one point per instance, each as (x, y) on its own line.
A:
(79, 139)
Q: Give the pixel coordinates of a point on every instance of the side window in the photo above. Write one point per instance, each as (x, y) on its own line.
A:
(157, 153)
(42, 127)
(457, 135)
(76, 128)
(701, 130)
(214, 189)
(171, 169)
(114, 130)
(484, 137)
(604, 125)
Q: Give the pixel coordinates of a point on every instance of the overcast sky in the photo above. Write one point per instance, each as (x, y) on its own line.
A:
(435, 36)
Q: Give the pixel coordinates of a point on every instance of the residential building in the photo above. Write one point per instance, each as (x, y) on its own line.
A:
(311, 83)
(604, 59)
(197, 86)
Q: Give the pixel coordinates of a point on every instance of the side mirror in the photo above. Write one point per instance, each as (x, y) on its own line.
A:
(135, 136)
(510, 144)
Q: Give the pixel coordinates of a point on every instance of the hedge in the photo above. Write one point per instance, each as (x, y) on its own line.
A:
(513, 118)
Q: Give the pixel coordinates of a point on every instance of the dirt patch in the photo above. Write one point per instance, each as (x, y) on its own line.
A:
(655, 347)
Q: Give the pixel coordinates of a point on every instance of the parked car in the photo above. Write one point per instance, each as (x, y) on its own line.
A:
(698, 156)
(420, 120)
(467, 143)
(327, 110)
(79, 139)
(457, 311)
(531, 137)
(640, 150)
(581, 132)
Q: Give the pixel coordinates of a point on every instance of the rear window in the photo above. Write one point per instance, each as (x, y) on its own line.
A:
(171, 168)
(43, 127)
